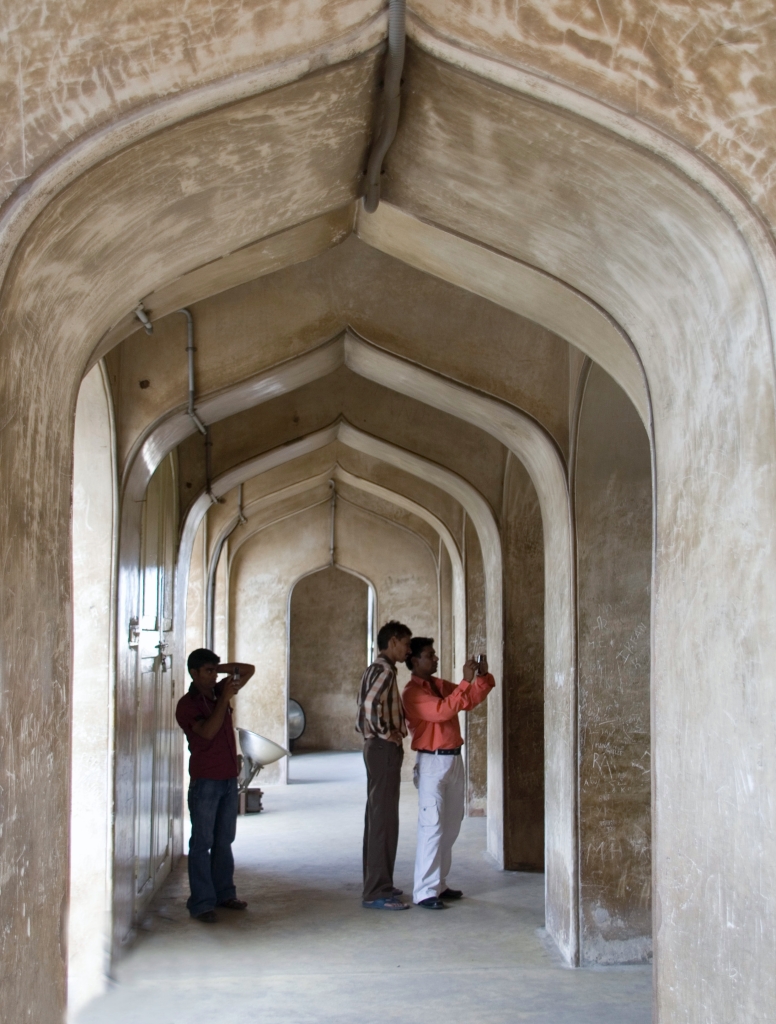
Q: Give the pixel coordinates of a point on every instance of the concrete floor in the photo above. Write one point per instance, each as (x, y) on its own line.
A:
(305, 951)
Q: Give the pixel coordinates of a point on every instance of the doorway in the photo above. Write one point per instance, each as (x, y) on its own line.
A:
(331, 633)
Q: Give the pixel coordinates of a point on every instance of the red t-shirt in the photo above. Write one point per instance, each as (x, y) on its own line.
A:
(210, 759)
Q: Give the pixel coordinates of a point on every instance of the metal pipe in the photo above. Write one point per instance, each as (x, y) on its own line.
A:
(190, 350)
(142, 316)
(394, 64)
(333, 509)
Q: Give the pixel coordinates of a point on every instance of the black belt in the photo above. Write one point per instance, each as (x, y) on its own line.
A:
(453, 750)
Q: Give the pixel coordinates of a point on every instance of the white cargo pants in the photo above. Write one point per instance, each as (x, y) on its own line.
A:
(440, 812)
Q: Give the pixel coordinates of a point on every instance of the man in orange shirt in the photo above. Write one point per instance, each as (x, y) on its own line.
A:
(431, 707)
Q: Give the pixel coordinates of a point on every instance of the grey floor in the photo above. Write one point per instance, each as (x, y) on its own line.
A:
(305, 951)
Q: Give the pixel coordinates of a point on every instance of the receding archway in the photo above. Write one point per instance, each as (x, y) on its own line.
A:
(329, 641)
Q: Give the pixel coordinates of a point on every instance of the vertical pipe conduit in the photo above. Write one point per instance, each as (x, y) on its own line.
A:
(332, 551)
(389, 122)
(190, 350)
(191, 410)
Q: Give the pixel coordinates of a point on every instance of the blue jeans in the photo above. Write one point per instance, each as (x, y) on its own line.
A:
(213, 810)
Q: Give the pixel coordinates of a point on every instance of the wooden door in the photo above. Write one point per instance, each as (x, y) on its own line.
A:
(156, 746)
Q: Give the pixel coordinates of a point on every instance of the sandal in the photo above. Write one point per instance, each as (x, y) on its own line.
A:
(384, 903)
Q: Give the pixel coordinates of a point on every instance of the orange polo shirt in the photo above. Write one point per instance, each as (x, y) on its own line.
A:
(433, 720)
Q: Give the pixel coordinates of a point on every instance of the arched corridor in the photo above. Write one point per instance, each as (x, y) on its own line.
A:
(292, 956)
(512, 384)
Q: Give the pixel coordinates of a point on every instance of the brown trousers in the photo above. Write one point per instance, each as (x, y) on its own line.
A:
(381, 822)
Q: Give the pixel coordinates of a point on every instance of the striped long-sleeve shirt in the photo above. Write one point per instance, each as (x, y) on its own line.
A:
(380, 713)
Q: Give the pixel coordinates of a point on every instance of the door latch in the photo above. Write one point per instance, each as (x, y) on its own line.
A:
(161, 648)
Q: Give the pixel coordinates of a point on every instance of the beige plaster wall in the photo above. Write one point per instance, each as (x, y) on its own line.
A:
(402, 568)
(70, 69)
(457, 444)
(613, 488)
(702, 72)
(221, 606)
(681, 281)
(263, 570)
(673, 281)
(94, 498)
(445, 637)
(523, 550)
(266, 565)
(408, 312)
(195, 592)
(328, 642)
(476, 721)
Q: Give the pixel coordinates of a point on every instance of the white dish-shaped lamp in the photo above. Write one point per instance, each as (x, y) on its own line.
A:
(259, 749)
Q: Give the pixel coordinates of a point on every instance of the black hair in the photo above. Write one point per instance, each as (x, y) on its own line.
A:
(389, 631)
(202, 656)
(417, 645)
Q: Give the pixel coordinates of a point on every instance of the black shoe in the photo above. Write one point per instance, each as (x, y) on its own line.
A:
(234, 904)
(450, 894)
(432, 903)
(209, 917)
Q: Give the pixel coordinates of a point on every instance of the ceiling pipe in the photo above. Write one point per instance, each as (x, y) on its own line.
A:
(142, 316)
(190, 350)
(333, 511)
(205, 431)
(394, 65)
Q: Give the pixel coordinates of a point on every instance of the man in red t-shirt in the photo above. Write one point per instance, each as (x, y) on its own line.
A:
(205, 716)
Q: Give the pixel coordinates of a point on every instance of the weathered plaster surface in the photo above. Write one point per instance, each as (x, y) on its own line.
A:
(476, 721)
(328, 642)
(413, 314)
(613, 502)
(256, 182)
(195, 591)
(401, 420)
(94, 500)
(703, 72)
(75, 66)
(680, 281)
(264, 569)
(522, 544)
(539, 186)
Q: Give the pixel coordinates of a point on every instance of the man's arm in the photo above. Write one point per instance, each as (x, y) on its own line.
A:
(428, 708)
(467, 695)
(208, 727)
(244, 671)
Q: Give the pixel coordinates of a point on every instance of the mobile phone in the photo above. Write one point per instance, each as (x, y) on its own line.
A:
(480, 660)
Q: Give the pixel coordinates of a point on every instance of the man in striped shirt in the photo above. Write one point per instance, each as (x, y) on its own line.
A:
(381, 722)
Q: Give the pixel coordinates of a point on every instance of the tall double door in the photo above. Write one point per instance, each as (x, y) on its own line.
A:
(158, 749)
